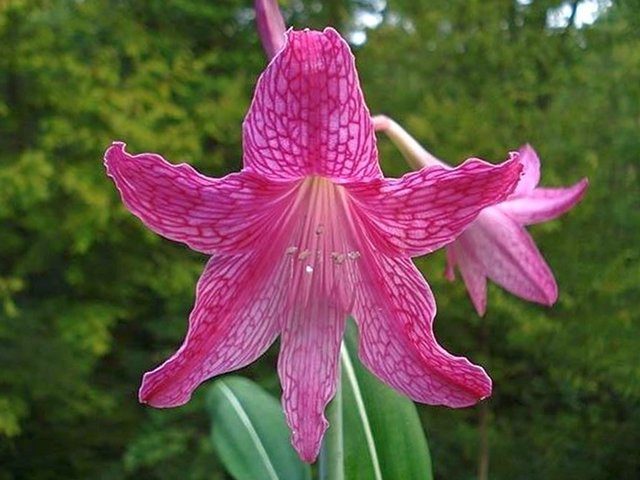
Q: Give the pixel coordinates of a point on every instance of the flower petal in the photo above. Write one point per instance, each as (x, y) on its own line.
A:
(308, 369)
(270, 26)
(509, 257)
(177, 202)
(308, 115)
(543, 204)
(394, 310)
(472, 273)
(531, 172)
(233, 322)
(427, 209)
(321, 255)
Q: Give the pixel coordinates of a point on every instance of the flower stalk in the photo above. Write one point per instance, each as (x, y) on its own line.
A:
(415, 155)
(270, 25)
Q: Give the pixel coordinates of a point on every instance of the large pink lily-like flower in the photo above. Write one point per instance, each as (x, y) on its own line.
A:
(496, 245)
(306, 234)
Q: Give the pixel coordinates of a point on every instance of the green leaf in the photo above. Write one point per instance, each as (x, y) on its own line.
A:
(383, 434)
(250, 434)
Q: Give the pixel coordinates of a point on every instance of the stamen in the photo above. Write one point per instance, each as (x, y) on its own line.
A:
(322, 245)
(304, 254)
(338, 258)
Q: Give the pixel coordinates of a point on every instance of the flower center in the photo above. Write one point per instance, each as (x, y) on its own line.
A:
(318, 247)
(321, 227)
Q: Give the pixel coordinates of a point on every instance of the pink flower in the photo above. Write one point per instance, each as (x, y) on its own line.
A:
(496, 245)
(306, 234)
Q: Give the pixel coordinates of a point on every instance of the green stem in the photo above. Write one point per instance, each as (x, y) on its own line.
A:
(332, 453)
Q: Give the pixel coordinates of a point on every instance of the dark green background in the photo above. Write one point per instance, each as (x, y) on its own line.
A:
(90, 299)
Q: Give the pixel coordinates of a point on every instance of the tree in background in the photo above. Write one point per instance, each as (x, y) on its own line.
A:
(90, 299)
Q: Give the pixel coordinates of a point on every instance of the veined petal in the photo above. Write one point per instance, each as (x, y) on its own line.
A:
(472, 272)
(531, 172)
(308, 114)
(543, 204)
(320, 255)
(270, 26)
(233, 322)
(424, 210)
(210, 215)
(394, 311)
(296, 284)
(510, 257)
(313, 326)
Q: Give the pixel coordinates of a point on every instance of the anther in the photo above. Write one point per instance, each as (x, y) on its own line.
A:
(304, 254)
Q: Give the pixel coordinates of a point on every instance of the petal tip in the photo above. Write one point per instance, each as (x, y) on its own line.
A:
(530, 162)
(115, 149)
(529, 155)
(485, 388)
(478, 295)
(481, 391)
(308, 446)
(449, 274)
(488, 388)
(551, 295)
(116, 146)
(328, 33)
(582, 187)
(481, 309)
(331, 32)
(544, 289)
(308, 455)
(114, 155)
(157, 393)
(576, 192)
(526, 149)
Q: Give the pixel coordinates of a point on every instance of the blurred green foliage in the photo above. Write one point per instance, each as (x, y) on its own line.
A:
(89, 299)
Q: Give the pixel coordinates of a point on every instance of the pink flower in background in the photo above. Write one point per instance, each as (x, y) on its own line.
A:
(270, 26)
(306, 234)
(498, 247)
